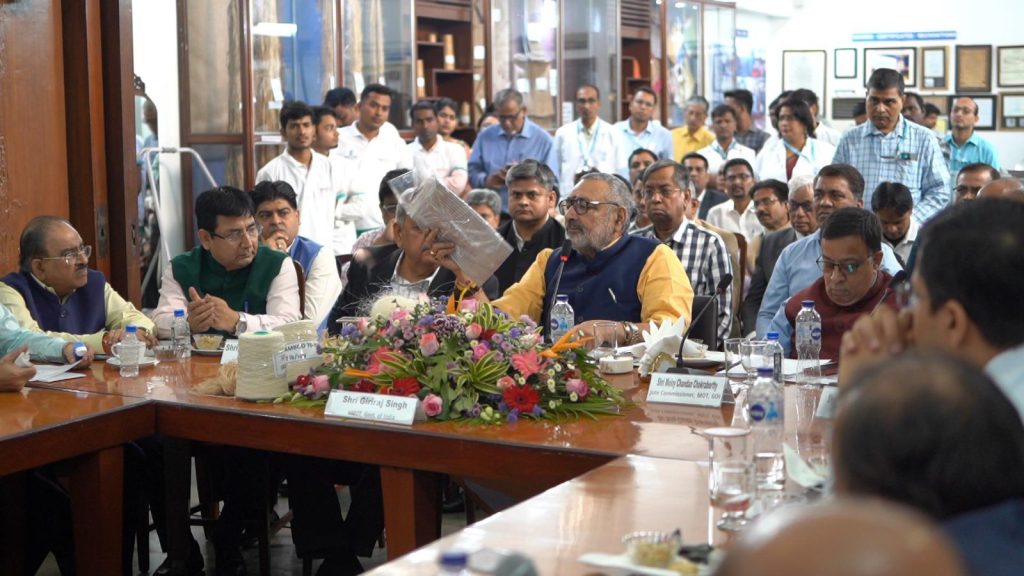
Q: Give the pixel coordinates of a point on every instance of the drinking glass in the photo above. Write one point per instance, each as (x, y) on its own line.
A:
(731, 477)
(605, 339)
(752, 357)
(732, 360)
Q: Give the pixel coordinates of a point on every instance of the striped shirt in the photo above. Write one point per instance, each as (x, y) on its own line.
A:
(706, 261)
(909, 155)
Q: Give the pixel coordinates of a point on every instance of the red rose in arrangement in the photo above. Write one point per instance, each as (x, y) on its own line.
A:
(364, 386)
(522, 398)
(404, 387)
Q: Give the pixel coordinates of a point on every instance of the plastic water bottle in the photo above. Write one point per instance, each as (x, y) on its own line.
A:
(181, 336)
(453, 563)
(562, 317)
(767, 430)
(773, 356)
(808, 344)
(129, 352)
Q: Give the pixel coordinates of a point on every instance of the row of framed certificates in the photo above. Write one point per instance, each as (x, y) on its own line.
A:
(1004, 111)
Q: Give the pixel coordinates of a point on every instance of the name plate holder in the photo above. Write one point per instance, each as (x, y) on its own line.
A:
(374, 407)
(230, 352)
(690, 390)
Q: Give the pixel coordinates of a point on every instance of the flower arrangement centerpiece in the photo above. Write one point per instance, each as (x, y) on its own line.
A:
(474, 363)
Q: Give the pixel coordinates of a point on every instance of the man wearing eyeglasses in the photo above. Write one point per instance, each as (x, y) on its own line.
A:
(851, 284)
(531, 196)
(837, 186)
(513, 139)
(278, 215)
(668, 193)
(229, 284)
(589, 143)
(609, 275)
(641, 130)
(738, 215)
(54, 291)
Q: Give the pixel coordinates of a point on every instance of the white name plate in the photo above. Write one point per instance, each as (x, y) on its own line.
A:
(230, 353)
(690, 389)
(827, 403)
(375, 407)
(292, 352)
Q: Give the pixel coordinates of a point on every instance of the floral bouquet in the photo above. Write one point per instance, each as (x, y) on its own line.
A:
(474, 364)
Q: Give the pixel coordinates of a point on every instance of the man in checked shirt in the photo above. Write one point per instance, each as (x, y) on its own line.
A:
(667, 192)
(890, 148)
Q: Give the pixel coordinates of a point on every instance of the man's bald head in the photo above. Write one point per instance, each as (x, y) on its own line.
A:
(1009, 188)
(843, 538)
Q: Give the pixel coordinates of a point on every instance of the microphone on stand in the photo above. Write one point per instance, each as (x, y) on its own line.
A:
(723, 285)
(563, 256)
(896, 284)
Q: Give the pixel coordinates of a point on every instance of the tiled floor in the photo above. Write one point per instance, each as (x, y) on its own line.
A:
(282, 553)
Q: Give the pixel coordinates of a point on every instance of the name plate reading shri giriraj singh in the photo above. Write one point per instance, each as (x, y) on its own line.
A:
(690, 389)
(374, 407)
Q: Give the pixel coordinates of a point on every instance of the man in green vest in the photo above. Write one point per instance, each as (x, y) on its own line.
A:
(229, 284)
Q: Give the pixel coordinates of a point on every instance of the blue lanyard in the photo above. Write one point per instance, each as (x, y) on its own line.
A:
(718, 148)
(800, 153)
(593, 141)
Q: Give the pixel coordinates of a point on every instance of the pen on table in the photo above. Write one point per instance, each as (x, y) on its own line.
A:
(614, 299)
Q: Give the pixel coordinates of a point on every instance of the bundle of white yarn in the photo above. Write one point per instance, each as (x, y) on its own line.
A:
(257, 379)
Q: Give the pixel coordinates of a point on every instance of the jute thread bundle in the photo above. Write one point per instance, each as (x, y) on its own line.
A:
(256, 378)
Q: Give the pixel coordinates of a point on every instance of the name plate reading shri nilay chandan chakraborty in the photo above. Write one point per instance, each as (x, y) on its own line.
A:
(375, 407)
(690, 389)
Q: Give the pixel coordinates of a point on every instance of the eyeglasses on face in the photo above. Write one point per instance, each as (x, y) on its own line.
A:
(510, 117)
(235, 236)
(827, 267)
(805, 206)
(69, 257)
(663, 191)
(581, 205)
(766, 201)
(742, 177)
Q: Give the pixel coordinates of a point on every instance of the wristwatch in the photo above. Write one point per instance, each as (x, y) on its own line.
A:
(240, 326)
(632, 332)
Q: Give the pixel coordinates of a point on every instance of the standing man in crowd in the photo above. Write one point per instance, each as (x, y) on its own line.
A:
(514, 139)
(890, 148)
(326, 137)
(309, 174)
(693, 135)
(724, 147)
(640, 130)
(697, 168)
(965, 146)
(589, 142)
(343, 101)
(742, 101)
(446, 159)
(668, 193)
(822, 132)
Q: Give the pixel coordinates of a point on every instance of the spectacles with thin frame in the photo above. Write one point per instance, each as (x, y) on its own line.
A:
(766, 201)
(805, 206)
(235, 236)
(71, 256)
(827, 267)
(581, 205)
(664, 191)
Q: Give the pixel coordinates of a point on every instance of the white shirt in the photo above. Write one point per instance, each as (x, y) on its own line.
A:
(716, 155)
(1007, 370)
(366, 162)
(771, 160)
(446, 159)
(314, 190)
(323, 286)
(827, 134)
(726, 217)
(907, 244)
(282, 302)
(603, 149)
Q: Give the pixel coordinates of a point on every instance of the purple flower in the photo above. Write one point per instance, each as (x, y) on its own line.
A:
(514, 333)
(538, 411)
(480, 350)
(513, 416)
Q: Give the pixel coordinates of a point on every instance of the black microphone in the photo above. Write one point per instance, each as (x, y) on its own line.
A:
(563, 255)
(897, 280)
(723, 285)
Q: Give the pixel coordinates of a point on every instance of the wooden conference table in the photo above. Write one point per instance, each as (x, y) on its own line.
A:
(524, 458)
(39, 427)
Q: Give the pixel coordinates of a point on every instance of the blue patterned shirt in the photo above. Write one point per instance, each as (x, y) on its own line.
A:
(909, 154)
(974, 150)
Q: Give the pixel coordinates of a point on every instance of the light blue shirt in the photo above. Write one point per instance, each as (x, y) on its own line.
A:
(976, 149)
(654, 137)
(909, 154)
(13, 336)
(494, 149)
(796, 269)
(1007, 370)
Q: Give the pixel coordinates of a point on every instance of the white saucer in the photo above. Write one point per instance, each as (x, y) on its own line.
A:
(147, 361)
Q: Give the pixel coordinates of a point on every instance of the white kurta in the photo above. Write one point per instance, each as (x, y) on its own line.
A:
(367, 161)
(771, 160)
(716, 155)
(606, 151)
(726, 217)
(447, 160)
(314, 190)
(323, 286)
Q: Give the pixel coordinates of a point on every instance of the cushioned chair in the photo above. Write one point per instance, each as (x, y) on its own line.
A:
(706, 328)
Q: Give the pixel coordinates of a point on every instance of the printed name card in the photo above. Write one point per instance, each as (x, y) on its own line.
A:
(292, 352)
(827, 403)
(690, 389)
(230, 353)
(375, 407)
